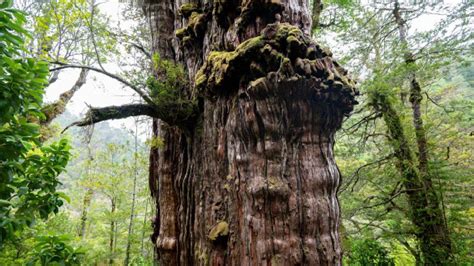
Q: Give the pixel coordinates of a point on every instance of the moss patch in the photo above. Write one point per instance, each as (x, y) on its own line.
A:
(187, 9)
(282, 51)
(219, 230)
(194, 28)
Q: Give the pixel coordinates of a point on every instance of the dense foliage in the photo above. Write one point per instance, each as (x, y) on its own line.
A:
(28, 169)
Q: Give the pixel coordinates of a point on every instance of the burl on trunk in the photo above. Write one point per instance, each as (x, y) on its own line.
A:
(251, 178)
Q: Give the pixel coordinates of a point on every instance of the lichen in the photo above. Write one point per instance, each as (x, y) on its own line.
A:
(202, 255)
(221, 229)
(180, 33)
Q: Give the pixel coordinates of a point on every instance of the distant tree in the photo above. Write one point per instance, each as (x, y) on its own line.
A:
(399, 183)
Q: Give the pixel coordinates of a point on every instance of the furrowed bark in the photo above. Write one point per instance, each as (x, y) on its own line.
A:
(165, 162)
(254, 181)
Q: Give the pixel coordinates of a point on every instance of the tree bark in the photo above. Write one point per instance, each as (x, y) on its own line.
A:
(55, 109)
(254, 182)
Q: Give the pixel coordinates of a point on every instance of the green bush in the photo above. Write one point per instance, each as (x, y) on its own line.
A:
(369, 252)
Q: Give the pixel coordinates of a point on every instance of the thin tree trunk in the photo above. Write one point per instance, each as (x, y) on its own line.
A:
(254, 181)
(85, 207)
(145, 217)
(427, 218)
(112, 231)
(87, 196)
(317, 10)
(435, 241)
(134, 195)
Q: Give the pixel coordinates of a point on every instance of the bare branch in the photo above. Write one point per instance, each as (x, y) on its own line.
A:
(356, 173)
(140, 92)
(142, 49)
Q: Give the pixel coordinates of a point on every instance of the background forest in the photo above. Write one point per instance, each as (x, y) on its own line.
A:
(81, 197)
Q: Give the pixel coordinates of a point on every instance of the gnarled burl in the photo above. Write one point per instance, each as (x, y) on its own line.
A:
(252, 180)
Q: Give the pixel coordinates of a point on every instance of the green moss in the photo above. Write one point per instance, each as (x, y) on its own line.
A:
(221, 229)
(155, 142)
(180, 33)
(194, 28)
(250, 45)
(202, 255)
(187, 9)
(282, 48)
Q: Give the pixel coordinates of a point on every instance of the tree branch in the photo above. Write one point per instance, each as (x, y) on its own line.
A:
(140, 92)
(53, 110)
(141, 48)
(98, 114)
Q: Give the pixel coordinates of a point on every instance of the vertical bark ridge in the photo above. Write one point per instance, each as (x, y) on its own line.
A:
(254, 183)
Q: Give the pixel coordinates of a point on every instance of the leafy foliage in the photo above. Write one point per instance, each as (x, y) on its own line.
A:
(55, 250)
(28, 169)
(167, 89)
(369, 252)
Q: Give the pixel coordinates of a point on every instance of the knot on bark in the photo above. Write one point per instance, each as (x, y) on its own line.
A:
(281, 53)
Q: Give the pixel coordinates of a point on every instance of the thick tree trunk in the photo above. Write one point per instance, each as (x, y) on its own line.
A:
(254, 181)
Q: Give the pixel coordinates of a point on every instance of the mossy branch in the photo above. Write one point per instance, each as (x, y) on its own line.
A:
(58, 107)
(99, 114)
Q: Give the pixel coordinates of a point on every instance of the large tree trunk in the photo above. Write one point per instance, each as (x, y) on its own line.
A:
(254, 180)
